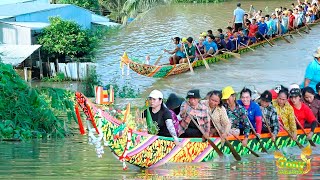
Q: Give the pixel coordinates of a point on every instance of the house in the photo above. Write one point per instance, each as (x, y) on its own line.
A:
(22, 20)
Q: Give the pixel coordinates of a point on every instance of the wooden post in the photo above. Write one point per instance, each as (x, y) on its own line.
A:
(40, 65)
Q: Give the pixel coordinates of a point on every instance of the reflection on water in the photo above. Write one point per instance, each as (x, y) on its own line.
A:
(73, 158)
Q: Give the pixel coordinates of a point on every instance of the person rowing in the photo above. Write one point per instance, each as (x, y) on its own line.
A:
(308, 95)
(161, 115)
(177, 54)
(285, 112)
(198, 111)
(236, 113)
(189, 49)
(312, 74)
(210, 47)
(270, 116)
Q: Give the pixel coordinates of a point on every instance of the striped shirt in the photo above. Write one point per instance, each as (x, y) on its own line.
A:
(270, 115)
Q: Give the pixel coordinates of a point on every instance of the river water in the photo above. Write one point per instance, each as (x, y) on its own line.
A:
(73, 158)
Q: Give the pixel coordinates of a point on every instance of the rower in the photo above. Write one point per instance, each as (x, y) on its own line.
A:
(270, 116)
(199, 111)
(161, 115)
(218, 114)
(177, 54)
(236, 113)
(312, 74)
(189, 49)
(302, 112)
(285, 112)
(210, 47)
(308, 95)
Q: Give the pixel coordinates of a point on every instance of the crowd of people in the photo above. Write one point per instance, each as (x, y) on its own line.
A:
(221, 114)
(247, 28)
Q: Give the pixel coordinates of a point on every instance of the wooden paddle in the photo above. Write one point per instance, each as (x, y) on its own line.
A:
(204, 61)
(214, 146)
(157, 61)
(297, 142)
(269, 129)
(285, 39)
(236, 55)
(233, 151)
(266, 39)
(310, 140)
(247, 46)
(190, 65)
(252, 152)
(298, 32)
(259, 139)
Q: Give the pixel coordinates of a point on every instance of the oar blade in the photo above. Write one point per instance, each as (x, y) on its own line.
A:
(233, 151)
(215, 147)
(312, 143)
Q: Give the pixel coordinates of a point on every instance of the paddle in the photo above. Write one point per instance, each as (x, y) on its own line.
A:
(285, 39)
(214, 146)
(269, 129)
(233, 151)
(157, 61)
(252, 152)
(259, 139)
(297, 142)
(247, 46)
(236, 55)
(190, 66)
(298, 32)
(266, 39)
(204, 61)
(310, 140)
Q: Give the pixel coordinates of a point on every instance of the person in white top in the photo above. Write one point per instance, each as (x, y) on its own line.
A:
(238, 15)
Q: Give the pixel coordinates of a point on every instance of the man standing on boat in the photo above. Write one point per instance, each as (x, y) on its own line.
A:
(312, 75)
(238, 16)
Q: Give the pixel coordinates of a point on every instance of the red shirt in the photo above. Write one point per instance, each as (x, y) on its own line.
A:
(303, 114)
(291, 20)
(253, 28)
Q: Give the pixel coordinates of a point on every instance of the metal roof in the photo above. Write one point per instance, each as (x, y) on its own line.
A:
(97, 19)
(15, 54)
(31, 25)
(27, 8)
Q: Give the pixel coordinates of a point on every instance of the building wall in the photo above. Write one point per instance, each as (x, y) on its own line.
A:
(74, 13)
(11, 34)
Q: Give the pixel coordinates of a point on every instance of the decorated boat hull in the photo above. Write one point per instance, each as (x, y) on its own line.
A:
(165, 70)
(147, 151)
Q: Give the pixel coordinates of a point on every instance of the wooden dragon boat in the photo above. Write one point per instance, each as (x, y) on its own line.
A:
(148, 151)
(165, 70)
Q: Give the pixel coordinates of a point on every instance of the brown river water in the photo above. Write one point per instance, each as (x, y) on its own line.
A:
(73, 158)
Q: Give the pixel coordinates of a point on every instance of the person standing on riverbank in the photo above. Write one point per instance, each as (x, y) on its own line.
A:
(312, 75)
(238, 17)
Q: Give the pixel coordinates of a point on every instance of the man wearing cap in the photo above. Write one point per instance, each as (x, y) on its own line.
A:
(238, 17)
(270, 116)
(161, 115)
(236, 113)
(312, 75)
(193, 108)
(302, 112)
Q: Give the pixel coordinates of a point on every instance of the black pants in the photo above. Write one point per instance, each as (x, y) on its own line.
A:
(237, 26)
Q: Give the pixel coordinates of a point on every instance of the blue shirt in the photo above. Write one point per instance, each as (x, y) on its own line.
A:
(263, 28)
(179, 52)
(253, 111)
(238, 13)
(208, 45)
(313, 73)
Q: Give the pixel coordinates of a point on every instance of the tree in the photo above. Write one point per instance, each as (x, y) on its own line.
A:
(66, 38)
(92, 5)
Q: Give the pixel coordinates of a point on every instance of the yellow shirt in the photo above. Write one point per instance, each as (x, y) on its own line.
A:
(286, 114)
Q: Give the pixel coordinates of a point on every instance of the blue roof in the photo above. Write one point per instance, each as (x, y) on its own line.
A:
(27, 8)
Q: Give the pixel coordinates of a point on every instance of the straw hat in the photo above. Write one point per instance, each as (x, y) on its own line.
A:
(317, 53)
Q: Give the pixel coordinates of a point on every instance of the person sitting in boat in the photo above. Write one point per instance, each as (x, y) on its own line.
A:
(229, 43)
(253, 109)
(220, 34)
(210, 47)
(217, 114)
(200, 48)
(161, 115)
(285, 21)
(262, 29)
(173, 104)
(292, 24)
(318, 91)
(270, 116)
(302, 112)
(312, 74)
(236, 113)
(253, 29)
(177, 53)
(243, 39)
(221, 45)
(193, 108)
(285, 112)
(235, 40)
(308, 95)
(190, 51)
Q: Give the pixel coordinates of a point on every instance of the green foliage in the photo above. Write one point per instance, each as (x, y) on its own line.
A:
(29, 113)
(66, 38)
(92, 5)
(90, 82)
(125, 90)
(58, 78)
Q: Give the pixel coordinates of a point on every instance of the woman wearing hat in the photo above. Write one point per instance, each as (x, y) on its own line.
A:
(308, 95)
(236, 113)
(193, 108)
(301, 111)
(269, 114)
(285, 112)
(173, 104)
(161, 115)
(312, 75)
